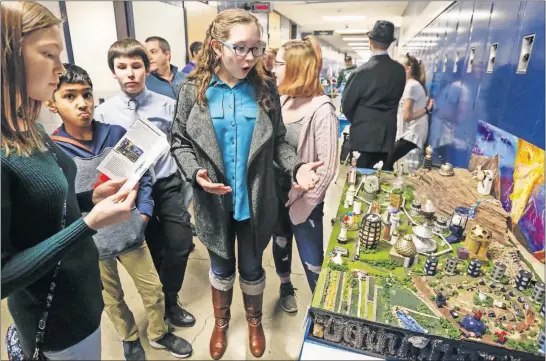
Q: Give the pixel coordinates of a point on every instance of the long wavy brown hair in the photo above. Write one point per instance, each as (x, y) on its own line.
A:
(19, 19)
(207, 61)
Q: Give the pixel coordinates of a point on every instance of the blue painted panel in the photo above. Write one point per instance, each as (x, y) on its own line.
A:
(523, 115)
(494, 87)
(471, 35)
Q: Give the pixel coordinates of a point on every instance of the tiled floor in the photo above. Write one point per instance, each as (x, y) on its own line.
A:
(283, 331)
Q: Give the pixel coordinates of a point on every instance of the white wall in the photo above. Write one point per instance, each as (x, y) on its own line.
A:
(155, 18)
(53, 6)
(414, 22)
(93, 31)
(49, 120)
(263, 19)
(285, 30)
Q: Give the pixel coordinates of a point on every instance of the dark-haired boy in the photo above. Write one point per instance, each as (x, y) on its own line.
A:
(168, 233)
(88, 142)
(195, 48)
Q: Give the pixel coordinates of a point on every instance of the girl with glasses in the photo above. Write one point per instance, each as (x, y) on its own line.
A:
(312, 128)
(227, 133)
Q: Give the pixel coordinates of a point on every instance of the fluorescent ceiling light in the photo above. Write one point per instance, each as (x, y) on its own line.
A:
(344, 18)
(352, 31)
(357, 44)
(355, 39)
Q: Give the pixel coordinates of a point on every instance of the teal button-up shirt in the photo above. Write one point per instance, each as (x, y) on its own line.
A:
(233, 112)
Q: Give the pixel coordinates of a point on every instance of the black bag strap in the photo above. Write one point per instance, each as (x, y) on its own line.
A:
(51, 291)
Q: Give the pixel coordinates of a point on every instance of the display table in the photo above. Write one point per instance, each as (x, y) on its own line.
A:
(402, 283)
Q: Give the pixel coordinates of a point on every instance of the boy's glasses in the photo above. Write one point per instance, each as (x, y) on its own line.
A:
(242, 51)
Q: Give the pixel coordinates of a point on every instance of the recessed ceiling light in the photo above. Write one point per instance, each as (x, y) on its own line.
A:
(357, 44)
(344, 18)
(351, 31)
(355, 39)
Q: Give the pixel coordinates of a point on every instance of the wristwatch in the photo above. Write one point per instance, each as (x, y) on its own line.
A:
(427, 110)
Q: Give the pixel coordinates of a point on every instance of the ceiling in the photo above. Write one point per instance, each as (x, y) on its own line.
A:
(346, 16)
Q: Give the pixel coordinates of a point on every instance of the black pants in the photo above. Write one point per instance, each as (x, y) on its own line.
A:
(368, 160)
(401, 148)
(169, 236)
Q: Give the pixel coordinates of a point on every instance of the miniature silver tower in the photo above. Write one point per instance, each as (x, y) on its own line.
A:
(498, 271)
(538, 293)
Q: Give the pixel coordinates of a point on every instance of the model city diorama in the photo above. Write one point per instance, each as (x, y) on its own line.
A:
(395, 258)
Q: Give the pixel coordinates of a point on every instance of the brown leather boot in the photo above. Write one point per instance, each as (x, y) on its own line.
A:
(221, 301)
(256, 337)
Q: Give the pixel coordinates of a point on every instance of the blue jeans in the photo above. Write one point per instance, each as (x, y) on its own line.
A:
(251, 272)
(309, 239)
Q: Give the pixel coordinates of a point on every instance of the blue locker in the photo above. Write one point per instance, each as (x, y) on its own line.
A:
(441, 125)
(494, 86)
(524, 115)
(472, 44)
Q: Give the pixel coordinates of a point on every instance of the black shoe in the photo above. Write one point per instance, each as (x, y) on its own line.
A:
(192, 247)
(133, 350)
(177, 346)
(193, 232)
(179, 317)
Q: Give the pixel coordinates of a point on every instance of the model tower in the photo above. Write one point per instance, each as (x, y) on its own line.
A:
(498, 271)
(538, 293)
(451, 265)
(431, 265)
(370, 231)
(474, 268)
(523, 279)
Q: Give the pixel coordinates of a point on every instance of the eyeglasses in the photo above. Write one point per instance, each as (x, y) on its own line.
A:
(278, 64)
(242, 51)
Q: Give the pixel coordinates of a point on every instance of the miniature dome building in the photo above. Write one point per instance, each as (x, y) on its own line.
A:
(477, 242)
(472, 323)
(498, 271)
(405, 246)
(370, 231)
(538, 293)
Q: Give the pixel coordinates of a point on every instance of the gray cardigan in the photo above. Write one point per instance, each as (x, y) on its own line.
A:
(194, 146)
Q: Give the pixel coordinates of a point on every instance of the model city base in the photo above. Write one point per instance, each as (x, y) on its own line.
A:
(395, 267)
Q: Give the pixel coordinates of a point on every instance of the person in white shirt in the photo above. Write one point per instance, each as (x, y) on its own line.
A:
(412, 117)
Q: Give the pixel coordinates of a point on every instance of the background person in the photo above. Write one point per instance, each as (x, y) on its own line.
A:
(164, 78)
(168, 232)
(371, 98)
(412, 116)
(195, 48)
(311, 130)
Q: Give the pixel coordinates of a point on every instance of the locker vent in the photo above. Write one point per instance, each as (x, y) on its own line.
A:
(525, 55)
(471, 60)
(492, 56)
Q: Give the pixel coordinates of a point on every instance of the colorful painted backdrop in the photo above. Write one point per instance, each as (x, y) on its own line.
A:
(521, 171)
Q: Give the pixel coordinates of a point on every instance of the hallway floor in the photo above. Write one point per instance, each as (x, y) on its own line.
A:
(284, 332)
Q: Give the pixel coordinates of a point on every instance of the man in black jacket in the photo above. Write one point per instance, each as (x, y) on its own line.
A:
(371, 97)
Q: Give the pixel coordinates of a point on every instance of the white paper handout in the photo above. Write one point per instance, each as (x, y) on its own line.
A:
(135, 153)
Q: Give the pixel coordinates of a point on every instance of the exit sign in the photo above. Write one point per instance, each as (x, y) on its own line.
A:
(263, 7)
(323, 32)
